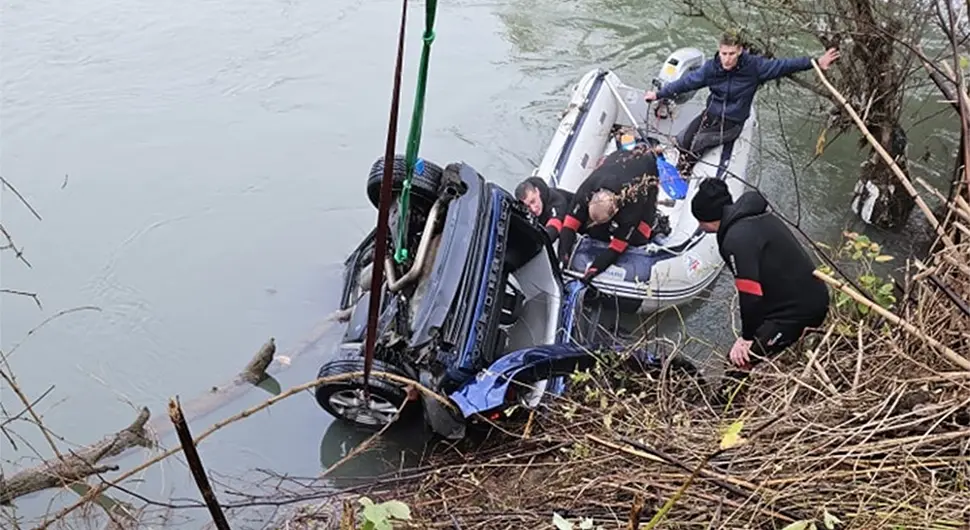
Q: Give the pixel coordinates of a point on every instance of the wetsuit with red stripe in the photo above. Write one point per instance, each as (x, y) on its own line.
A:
(632, 176)
(555, 201)
(779, 296)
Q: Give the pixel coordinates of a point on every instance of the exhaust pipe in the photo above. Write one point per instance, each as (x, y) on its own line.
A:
(396, 284)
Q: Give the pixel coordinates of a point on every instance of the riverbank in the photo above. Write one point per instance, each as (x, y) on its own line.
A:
(863, 425)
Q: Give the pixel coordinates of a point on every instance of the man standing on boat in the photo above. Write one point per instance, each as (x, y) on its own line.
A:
(547, 204)
(780, 297)
(732, 76)
(616, 203)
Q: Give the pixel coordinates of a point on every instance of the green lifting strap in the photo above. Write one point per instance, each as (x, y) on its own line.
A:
(414, 136)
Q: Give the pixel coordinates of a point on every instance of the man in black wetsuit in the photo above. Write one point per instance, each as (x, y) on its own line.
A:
(548, 205)
(616, 203)
(779, 295)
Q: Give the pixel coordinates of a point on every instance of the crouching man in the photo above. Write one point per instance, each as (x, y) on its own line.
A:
(779, 296)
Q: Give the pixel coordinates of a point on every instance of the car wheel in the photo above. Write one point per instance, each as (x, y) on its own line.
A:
(345, 399)
(424, 182)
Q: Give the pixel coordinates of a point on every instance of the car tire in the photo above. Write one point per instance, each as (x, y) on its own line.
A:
(424, 182)
(341, 399)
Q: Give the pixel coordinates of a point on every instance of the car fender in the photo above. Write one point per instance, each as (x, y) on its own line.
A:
(488, 390)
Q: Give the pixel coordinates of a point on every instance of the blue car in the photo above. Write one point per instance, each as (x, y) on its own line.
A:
(478, 312)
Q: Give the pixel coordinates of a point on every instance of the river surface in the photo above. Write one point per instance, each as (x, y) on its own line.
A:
(199, 169)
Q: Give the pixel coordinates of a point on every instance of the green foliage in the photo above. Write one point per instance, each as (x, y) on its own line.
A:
(381, 516)
(861, 255)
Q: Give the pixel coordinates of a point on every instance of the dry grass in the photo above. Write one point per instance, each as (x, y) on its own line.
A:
(864, 423)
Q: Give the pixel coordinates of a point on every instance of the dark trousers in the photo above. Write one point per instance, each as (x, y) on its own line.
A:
(703, 133)
(772, 338)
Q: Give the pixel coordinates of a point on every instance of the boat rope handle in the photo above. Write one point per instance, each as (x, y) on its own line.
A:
(414, 135)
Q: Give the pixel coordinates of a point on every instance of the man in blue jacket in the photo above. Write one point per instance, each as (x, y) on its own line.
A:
(733, 77)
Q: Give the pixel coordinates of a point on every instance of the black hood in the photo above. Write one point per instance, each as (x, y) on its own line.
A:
(543, 188)
(749, 204)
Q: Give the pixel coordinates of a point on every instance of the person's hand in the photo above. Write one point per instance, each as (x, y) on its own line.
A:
(739, 352)
(828, 58)
(650, 95)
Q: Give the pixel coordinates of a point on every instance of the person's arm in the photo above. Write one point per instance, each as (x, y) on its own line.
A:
(769, 69)
(558, 203)
(553, 226)
(692, 81)
(742, 248)
(575, 217)
(618, 244)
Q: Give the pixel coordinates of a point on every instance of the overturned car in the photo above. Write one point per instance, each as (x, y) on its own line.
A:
(477, 312)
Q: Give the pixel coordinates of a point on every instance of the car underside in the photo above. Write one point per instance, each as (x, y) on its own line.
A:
(480, 283)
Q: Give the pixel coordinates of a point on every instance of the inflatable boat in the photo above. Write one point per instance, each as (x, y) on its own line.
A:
(680, 261)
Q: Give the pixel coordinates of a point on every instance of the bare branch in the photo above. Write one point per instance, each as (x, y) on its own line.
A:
(46, 321)
(24, 293)
(33, 403)
(18, 251)
(21, 197)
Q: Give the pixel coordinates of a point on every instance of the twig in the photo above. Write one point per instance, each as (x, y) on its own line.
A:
(24, 293)
(950, 204)
(858, 361)
(30, 409)
(950, 293)
(195, 464)
(885, 156)
(950, 355)
(18, 252)
(814, 353)
(32, 404)
(48, 320)
(21, 197)
(959, 266)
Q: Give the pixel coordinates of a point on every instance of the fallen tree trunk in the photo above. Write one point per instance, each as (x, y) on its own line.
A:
(77, 465)
(252, 374)
(94, 459)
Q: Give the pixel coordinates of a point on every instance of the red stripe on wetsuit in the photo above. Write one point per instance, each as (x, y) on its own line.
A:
(571, 223)
(644, 229)
(618, 245)
(554, 223)
(748, 286)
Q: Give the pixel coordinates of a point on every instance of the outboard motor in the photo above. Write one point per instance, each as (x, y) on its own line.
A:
(678, 64)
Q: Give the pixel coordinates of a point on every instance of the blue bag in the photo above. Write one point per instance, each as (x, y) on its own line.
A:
(670, 180)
